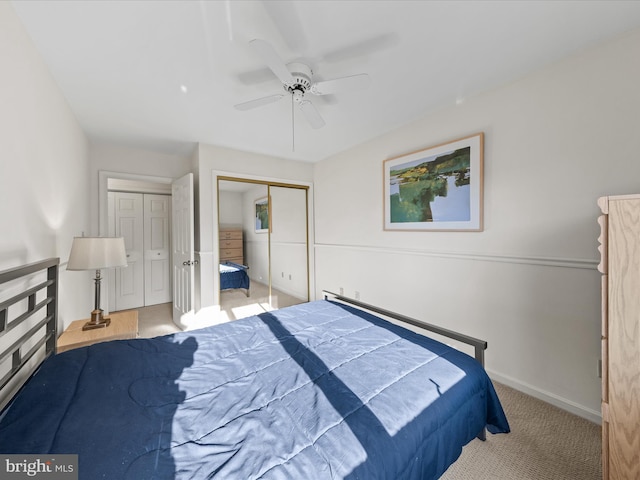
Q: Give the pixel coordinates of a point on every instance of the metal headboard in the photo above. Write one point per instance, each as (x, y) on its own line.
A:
(17, 375)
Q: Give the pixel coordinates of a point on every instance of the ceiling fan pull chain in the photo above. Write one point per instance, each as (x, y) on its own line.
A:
(293, 128)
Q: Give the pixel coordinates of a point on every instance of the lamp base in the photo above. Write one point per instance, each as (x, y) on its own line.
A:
(97, 321)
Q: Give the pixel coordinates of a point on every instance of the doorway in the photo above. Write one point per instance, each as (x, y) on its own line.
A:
(273, 221)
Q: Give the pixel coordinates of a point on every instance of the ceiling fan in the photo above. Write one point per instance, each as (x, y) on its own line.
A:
(297, 81)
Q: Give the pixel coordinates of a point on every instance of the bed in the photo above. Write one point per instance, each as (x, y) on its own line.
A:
(234, 275)
(321, 390)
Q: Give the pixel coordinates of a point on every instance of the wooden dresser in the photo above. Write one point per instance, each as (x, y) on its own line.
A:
(231, 249)
(620, 267)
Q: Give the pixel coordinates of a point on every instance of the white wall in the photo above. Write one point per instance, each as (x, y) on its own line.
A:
(230, 208)
(129, 162)
(554, 142)
(43, 171)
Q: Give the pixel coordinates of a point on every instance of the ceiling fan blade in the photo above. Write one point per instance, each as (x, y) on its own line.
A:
(366, 47)
(284, 16)
(354, 82)
(311, 114)
(258, 102)
(255, 77)
(273, 60)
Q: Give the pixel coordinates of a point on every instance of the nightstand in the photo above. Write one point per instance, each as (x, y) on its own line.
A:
(124, 325)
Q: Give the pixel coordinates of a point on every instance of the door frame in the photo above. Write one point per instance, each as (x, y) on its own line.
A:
(103, 219)
(279, 182)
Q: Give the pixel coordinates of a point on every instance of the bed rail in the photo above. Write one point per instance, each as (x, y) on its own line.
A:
(11, 346)
(479, 345)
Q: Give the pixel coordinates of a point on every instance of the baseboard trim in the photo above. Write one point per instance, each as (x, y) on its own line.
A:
(555, 400)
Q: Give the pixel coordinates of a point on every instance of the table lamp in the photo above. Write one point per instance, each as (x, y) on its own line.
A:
(95, 253)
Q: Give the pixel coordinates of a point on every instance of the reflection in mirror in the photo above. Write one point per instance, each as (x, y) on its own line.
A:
(288, 242)
(274, 254)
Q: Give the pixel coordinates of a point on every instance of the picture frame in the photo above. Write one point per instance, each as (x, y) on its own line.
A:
(439, 188)
(261, 220)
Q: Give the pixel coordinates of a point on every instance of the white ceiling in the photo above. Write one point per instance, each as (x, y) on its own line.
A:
(121, 64)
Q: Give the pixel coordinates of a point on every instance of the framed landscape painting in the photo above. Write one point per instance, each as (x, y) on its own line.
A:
(262, 215)
(439, 188)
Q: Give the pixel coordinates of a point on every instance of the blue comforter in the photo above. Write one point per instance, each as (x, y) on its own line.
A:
(233, 276)
(315, 391)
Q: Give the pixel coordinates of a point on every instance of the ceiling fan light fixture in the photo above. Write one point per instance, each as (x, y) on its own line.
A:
(298, 95)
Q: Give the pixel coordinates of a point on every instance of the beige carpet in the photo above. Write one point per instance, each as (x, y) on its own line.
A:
(545, 443)
(157, 320)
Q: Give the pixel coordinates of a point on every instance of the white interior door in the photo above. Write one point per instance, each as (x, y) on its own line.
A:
(182, 248)
(157, 253)
(128, 213)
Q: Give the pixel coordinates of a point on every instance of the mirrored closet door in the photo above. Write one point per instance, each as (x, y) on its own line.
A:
(288, 241)
(272, 222)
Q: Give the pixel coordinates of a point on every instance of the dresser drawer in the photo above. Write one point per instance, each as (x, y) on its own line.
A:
(230, 235)
(228, 253)
(227, 244)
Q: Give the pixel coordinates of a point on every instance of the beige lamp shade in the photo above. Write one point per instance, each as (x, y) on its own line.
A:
(94, 253)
